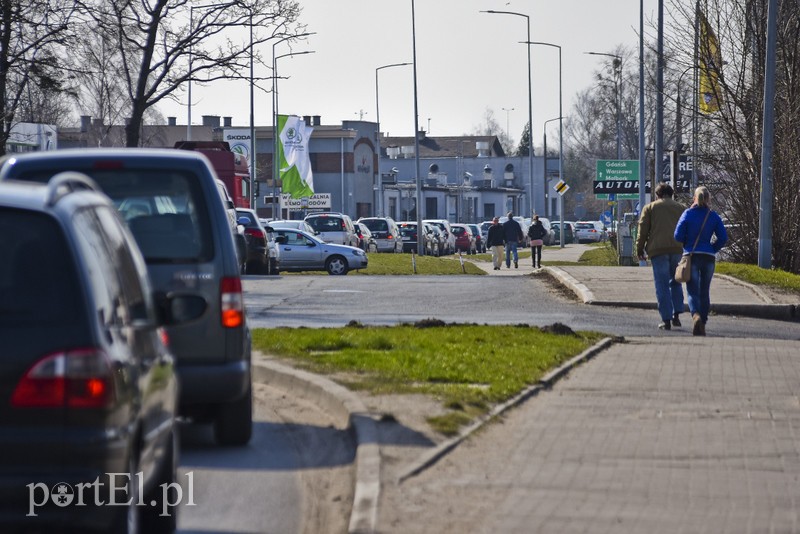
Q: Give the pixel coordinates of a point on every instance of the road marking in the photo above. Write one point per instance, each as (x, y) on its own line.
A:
(342, 291)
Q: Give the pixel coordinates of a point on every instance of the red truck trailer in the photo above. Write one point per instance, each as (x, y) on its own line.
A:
(231, 168)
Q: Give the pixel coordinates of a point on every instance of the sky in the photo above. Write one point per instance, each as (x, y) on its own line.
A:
(467, 62)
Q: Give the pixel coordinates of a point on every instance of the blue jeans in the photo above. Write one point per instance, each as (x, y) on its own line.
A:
(669, 293)
(511, 247)
(699, 287)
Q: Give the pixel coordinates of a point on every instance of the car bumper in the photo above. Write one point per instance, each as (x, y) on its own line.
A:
(357, 262)
(213, 384)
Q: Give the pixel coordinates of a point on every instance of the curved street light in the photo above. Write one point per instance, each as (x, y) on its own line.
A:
(379, 203)
(530, 100)
(275, 162)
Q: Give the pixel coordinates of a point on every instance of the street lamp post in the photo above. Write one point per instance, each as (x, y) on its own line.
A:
(379, 203)
(530, 102)
(560, 124)
(617, 64)
(420, 244)
(508, 111)
(544, 142)
(275, 162)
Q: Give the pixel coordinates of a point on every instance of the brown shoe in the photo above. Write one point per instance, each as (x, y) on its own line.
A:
(699, 327)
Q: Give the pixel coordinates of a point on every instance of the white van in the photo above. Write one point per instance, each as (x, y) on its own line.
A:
(334, 228)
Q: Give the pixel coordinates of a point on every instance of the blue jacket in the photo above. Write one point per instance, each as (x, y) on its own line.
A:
(689, 225)
(513, 231)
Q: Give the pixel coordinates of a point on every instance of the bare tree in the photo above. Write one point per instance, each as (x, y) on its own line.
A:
(163, 44)
(30, 33)
(490, 126)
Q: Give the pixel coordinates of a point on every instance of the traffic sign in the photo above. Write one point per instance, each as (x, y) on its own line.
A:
(561, 187)
(617, 176)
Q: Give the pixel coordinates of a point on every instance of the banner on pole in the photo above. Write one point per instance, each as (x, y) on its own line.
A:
(295, 164)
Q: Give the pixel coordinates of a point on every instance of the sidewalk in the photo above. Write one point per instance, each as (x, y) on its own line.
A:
(632, 287)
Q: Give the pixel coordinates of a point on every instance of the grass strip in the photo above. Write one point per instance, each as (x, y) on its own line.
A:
(468, 367)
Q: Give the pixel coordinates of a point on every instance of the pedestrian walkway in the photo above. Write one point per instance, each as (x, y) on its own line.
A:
(697, 435)
(633, 286)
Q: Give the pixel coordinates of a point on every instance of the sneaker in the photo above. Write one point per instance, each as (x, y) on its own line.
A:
(676, 321)
(699, 327)
(664, 325)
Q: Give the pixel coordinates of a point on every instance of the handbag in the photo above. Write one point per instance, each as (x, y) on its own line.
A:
(683, 272)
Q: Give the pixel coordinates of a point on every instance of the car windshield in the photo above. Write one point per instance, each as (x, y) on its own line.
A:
(457, 230)
(376, 225)
(326, 224)
(408, 229)
(584, 226)
(164, 209)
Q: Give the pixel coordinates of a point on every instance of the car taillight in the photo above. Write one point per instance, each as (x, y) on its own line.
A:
(232, 302)
(255, 232)
(76, 379)
(389, 236)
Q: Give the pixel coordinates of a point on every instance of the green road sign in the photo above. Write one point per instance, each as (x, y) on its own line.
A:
(619, 177)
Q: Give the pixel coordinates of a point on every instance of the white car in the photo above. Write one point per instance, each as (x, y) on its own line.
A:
(444, 226)
(590, 232)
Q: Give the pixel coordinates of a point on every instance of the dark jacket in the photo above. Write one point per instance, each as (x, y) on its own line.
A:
(496, 236)
(513, 231)
(537, 231)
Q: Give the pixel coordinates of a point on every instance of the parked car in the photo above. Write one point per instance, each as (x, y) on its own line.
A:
(335, 228)
(366, 241)
(484, 226)
(439, 238)
(465, 241)
(257, 238)
(444, 226)
(87, 379)
(569, 233)
(590, 232)
(386, 233)
(188, 247)
(239, 239)
(301, 251)
(480, 241)
(408, 236)
(298, 224)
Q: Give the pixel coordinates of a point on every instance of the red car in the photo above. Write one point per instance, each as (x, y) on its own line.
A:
(465, 240)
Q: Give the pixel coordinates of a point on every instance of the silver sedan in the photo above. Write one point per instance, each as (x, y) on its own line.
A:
(300, 251)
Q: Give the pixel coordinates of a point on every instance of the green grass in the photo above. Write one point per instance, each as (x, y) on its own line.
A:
(468, 367)
(386, 263)
(758, 276)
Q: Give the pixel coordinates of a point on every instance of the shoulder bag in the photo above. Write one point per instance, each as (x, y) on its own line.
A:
(683, 272)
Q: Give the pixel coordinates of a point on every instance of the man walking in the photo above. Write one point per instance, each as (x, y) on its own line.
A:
(656, 237)
(513, 235)
(495, 240)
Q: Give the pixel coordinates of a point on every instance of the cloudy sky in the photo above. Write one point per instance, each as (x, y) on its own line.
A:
(467, 61)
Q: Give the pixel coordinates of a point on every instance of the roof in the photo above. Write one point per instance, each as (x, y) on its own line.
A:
(451, 146)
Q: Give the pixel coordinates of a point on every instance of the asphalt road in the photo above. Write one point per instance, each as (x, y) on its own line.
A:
(331, 301)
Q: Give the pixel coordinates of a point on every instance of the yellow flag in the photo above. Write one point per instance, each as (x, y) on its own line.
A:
(709, 66)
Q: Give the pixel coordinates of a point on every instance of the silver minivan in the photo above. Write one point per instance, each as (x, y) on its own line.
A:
(386, 233)
(336, 228)
(182, 229)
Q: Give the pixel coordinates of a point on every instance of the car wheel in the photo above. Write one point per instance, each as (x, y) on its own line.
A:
(152, 520)
(336, 265)
(233, 425)
(127, 519)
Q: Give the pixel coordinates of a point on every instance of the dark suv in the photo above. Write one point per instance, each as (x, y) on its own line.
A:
(170, 201)
(87, 381)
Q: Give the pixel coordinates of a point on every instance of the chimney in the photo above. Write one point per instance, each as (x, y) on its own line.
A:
(172, 121)
(317, 120)
(421, 135)
(307, 120)
(211, 120)
(86, 121)
(227, 121)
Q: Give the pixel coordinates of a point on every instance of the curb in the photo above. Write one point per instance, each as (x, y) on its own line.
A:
(546, 382)
(349, 412)
(583, 292)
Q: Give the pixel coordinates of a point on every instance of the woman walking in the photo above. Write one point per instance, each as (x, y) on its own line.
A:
(702, 233)
(536, 232)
